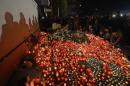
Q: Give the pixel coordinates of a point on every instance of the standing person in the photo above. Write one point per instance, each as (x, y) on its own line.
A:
(107, 34)
(71, 23)
(96, 27)
(90, 29)
(77, 23)
(101, 33)
(90, 25)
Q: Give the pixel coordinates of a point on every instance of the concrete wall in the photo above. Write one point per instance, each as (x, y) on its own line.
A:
(18, 19)
(27, 7)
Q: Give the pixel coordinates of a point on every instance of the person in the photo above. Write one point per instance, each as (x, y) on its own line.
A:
(96, 26)
(91, 25)
(71, 23)
(116, 38)
(101, 33)
(106, 35)
(77, 22)
(90, 29)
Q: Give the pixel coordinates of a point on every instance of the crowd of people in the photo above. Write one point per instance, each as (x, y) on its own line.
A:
(105, 28)
(116, 30)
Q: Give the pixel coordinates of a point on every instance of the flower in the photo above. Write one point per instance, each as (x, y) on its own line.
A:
(72, 63)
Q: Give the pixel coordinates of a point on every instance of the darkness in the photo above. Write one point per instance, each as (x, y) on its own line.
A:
(108, 4)
(105, 5)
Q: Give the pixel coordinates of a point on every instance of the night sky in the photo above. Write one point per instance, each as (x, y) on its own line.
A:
(106, 5)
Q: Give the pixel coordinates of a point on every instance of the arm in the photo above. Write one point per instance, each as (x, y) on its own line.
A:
(117, 41)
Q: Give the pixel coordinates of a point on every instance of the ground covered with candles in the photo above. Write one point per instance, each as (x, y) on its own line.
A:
(79, 60)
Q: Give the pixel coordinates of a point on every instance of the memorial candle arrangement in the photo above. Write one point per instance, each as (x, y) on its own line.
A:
(69, 63)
